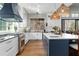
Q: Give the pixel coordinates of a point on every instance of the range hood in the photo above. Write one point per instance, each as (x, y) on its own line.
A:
(7, 13)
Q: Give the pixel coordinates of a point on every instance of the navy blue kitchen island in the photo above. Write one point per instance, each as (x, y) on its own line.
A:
(57, 45)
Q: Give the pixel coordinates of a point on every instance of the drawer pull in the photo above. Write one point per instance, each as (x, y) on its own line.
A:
(9, 49)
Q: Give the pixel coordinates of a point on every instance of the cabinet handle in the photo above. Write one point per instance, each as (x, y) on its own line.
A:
(9, 49)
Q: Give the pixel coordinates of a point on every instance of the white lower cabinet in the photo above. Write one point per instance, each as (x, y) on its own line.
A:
(33, 36)
(39, 35)
(9, 47)
(12, 51)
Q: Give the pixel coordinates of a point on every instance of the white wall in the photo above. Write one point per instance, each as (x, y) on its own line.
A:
(51, 23)
(24, 15)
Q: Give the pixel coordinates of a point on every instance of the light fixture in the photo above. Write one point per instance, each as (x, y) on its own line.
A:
(55, 16)
(63, 10)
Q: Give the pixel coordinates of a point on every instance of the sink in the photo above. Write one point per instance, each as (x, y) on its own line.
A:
(7, 37)
(55, 36)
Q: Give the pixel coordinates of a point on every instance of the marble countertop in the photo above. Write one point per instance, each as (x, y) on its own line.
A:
(5, 38)
(63, 36)
(74, 46)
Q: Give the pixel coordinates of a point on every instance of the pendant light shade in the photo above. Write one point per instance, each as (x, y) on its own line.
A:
(63, 10)
(55, 16)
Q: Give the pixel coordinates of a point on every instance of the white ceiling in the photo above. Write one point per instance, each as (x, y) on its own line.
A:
(41, 8)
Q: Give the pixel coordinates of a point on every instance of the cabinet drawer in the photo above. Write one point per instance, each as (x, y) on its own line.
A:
(12, 51)
(5, 46)
(3, 53)
(5, 49)
(8, 45)
(9, 42)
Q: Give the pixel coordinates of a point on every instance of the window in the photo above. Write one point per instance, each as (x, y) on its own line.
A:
(2, 25)
(70, 25)
(77, 25)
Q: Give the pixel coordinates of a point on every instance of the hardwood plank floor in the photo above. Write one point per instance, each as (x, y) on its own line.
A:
(34, 48)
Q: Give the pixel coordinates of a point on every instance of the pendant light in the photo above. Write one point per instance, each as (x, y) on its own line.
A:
(63, 10)
(55, 16)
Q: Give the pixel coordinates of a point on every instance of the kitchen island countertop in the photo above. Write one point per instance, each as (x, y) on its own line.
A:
(63, 36)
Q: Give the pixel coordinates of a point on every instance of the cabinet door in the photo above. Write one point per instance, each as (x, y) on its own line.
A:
(2, 50)
(29, 36)
(33, 36)
(13, 50)
(4, 46)
(39, 36)
(8, 45)
(58, 47)
(36, 36)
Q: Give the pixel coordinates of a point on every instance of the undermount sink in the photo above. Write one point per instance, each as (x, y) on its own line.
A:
(55, 36)
(5, 38)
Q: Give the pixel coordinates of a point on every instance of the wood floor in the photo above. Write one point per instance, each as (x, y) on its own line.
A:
(34, 48)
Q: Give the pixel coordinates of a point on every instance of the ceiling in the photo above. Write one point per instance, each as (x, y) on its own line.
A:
(41, 8)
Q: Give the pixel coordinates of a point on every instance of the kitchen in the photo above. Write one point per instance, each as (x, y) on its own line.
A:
(46, 25)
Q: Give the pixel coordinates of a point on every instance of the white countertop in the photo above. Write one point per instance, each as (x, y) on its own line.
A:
(74, 46)
(6, 38)
(63, 36)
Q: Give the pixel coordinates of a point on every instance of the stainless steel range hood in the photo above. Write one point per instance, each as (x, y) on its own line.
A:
(7, 13)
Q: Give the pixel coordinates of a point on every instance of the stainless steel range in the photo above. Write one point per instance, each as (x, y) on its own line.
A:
(21, 42)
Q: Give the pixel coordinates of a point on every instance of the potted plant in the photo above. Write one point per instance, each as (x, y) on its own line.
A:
(56, 30)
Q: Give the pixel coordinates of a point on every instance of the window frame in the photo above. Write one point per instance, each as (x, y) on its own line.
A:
(63, 25)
